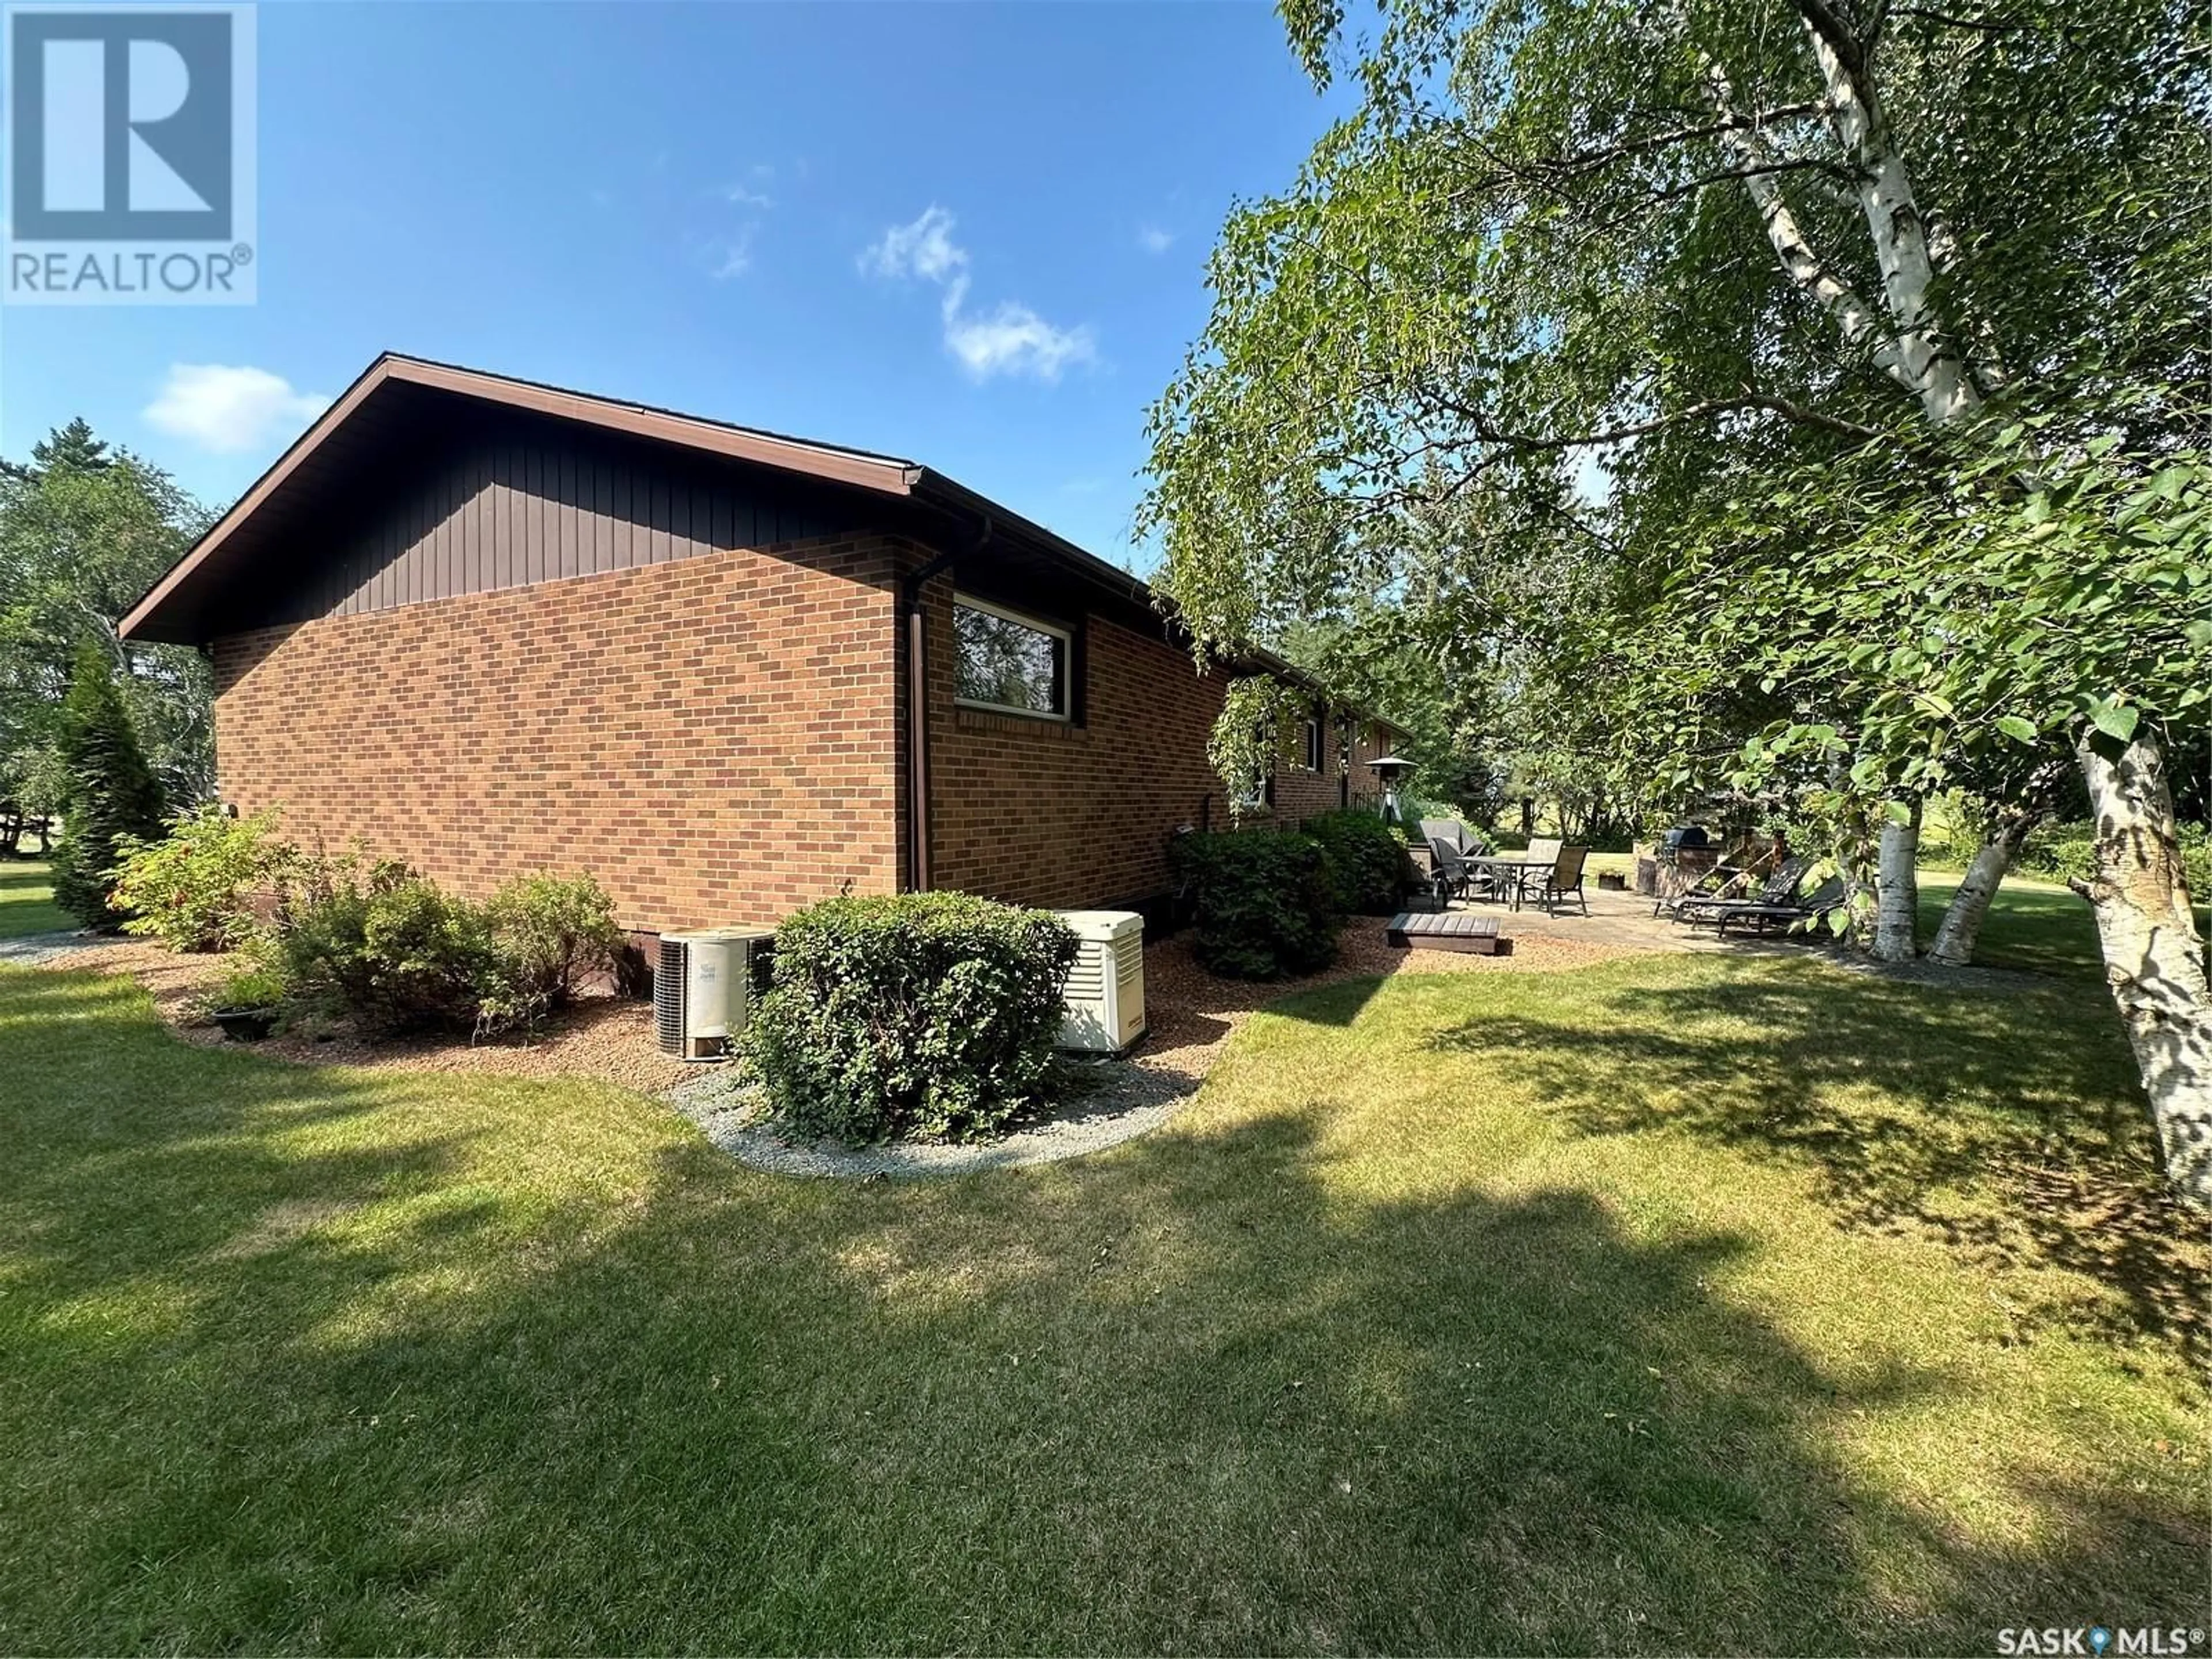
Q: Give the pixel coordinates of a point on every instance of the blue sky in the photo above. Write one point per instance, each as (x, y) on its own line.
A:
(972, 234)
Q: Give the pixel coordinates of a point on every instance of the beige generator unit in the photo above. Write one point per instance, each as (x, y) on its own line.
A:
(1104, 1003)
(702, 987)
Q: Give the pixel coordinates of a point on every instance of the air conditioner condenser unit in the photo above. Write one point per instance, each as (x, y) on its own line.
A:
(1104, 1002)
(702, 988)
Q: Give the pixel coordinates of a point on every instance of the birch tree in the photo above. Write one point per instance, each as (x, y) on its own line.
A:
(1918, 268)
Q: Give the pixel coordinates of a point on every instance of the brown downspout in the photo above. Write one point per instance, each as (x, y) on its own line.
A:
(917, 710)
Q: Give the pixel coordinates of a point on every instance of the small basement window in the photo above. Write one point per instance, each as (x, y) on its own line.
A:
(1010, 662)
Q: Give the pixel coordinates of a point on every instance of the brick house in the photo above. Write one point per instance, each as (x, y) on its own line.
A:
(488, 626)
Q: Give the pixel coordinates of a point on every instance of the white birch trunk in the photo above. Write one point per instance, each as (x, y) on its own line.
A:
(1925, 361)
(1961, 927)
(2153, 957)
(1897, 891)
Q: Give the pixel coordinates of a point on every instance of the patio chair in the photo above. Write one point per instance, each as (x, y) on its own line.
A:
(1814, 908)
(1564, 881)
(1452, 876)
(1545, 851)
(1450, 829)
(1779, 889)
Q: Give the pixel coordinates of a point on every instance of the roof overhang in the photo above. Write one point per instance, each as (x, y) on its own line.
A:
(163, 614)
(388, 402)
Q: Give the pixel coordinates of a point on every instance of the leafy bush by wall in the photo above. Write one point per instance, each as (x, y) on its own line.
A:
(929, 1014)
(389, 952)
(1368, 857)
(392, 952)
(1266, 901)
(549, 934)
(193, 889)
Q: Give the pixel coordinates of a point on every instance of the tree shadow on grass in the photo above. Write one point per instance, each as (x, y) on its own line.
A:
(310, 1360)
(2006, 1124)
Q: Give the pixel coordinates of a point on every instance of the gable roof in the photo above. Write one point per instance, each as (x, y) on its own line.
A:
(381, 400)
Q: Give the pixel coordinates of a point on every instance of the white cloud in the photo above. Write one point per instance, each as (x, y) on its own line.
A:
(229, 409)
(1153, 240)
(735, 256)
(1015, 340)
(1009, 339)
(924, 249)
(740, 196)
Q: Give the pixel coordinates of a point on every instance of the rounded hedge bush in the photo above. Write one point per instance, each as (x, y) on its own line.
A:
(1373, 874)
(1266, 901)
(928, 1014)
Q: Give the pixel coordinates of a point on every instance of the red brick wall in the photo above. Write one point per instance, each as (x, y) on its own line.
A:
(1039, 812)
(712, 737)
(1077, 815)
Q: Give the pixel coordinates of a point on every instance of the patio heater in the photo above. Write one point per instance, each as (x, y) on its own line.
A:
(1392, 770)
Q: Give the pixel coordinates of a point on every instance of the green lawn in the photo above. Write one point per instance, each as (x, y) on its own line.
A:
(1685, 1303)
(27, 903)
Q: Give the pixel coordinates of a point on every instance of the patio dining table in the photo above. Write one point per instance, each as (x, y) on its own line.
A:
(1520, 869)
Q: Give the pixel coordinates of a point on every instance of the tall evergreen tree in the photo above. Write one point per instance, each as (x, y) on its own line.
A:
(110, 790)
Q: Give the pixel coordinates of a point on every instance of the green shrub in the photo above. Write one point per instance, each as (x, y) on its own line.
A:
(257, 985)
(389, 950)
(392, 952)
(927, 1014)
(1373, 874)
(110, 797)
(550, 933)
(1266, 901)
(193, 888)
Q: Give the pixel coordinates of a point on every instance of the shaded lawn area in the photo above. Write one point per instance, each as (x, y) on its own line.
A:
(26, 904)
(1685, 1303)
(2039, 928)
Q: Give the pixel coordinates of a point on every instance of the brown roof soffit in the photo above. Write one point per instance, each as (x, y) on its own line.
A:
(855, 468)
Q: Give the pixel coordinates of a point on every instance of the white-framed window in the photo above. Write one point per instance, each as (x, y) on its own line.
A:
(1010, 663)
(1312, 736)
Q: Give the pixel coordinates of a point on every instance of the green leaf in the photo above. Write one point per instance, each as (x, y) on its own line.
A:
(2116, 720)
(2021, 731)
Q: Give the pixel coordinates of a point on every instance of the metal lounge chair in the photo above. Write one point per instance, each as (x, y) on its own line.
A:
(1814, 908)
(1723, 881)
(1779, 889)
(1450, 829)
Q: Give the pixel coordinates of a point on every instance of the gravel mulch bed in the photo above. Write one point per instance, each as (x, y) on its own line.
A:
(1116, 1102)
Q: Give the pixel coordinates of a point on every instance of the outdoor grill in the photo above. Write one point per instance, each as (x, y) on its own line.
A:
(1684, 854)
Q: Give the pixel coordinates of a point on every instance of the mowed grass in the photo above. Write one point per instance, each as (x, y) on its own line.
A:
(1687, 1304)
(26, 904)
